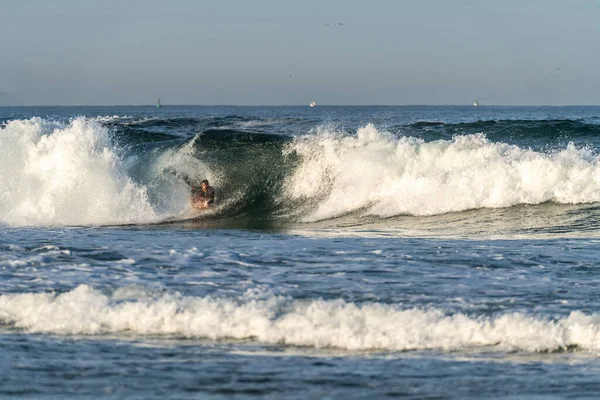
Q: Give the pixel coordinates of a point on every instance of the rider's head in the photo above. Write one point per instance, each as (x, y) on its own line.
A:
(204, 184)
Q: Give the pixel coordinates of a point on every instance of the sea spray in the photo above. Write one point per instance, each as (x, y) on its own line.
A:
(66, 174)
(380, 174)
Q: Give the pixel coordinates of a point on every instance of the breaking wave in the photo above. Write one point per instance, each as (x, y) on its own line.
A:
(84, 172)
(286, 321)
(381, 174)
(66, 174)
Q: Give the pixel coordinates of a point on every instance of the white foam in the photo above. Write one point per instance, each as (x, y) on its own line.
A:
(111, 118)
(65, 174)
(280, 320)
(377, 173)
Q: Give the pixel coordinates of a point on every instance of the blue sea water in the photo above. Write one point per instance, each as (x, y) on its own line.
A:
(352, 252)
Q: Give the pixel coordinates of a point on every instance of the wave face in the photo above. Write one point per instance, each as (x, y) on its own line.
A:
(281, 320)
(122, 170)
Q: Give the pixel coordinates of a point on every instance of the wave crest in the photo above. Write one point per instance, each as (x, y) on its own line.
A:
(377, 173)
(281, 320)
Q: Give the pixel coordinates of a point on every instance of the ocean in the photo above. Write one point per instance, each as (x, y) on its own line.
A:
(352, 252)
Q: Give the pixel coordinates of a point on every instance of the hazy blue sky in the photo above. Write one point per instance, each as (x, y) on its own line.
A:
(244, 52)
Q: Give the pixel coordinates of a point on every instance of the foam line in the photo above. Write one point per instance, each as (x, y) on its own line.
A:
(282, 320)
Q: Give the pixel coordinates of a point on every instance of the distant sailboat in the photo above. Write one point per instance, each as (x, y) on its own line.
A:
(158, 103)
(476, 103)
(312, 104)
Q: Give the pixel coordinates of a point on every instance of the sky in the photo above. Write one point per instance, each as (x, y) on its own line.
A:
(288, 52)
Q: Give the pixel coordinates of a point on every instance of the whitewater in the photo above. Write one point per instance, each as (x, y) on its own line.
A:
(78, 173)
(352, 252)
(278, 320)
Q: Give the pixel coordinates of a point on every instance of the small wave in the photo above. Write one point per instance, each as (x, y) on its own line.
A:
(165, 122)
(282, 320)
(217, 122)
(550, 129)
(426, 124)
(111, 119)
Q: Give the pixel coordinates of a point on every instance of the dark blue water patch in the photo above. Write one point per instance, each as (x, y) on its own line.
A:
(126, 136)
(49, 367)
(537, 134)
(216, 122)
(156, 129)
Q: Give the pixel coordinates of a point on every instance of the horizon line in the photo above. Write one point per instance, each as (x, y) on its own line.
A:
(302, 105)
